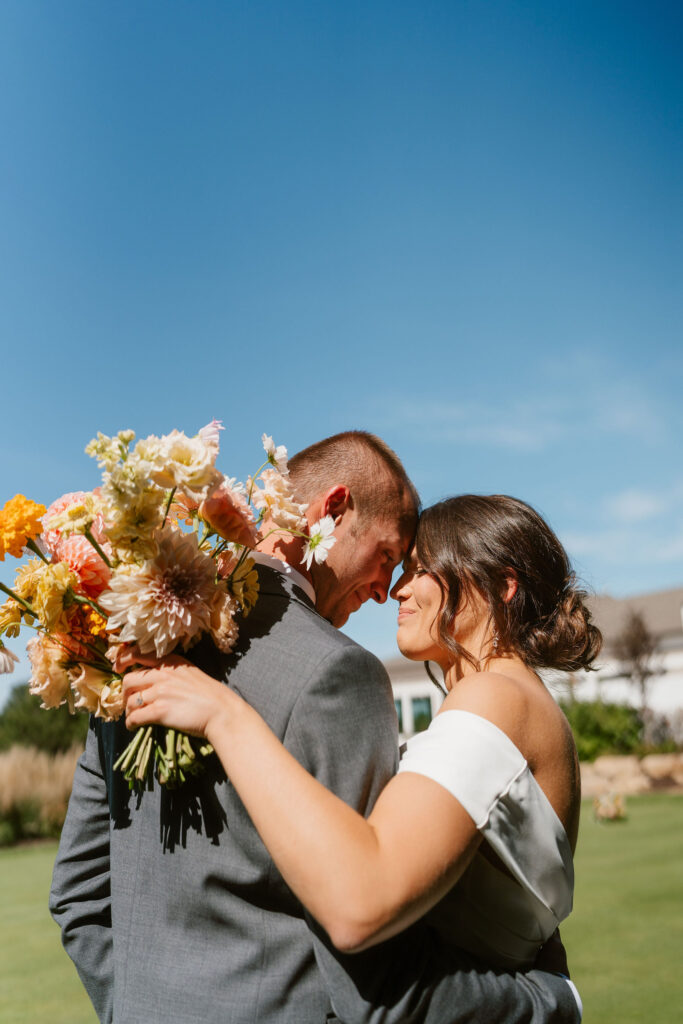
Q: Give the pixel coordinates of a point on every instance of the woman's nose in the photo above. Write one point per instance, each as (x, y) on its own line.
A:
(399, 586)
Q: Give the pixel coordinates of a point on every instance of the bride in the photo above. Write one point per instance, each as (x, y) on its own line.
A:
(481, 821)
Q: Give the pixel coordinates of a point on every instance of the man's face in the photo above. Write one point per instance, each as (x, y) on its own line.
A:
(361, 564)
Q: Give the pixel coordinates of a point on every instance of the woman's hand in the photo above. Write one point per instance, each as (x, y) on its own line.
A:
(173, 692)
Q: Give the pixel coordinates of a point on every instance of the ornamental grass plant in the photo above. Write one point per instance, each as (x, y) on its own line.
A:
(34, 792)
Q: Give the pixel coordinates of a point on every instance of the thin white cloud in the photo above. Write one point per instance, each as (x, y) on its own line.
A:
(635, 506)
(584, 397)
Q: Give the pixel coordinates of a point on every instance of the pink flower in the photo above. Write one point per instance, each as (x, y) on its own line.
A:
(210, 434)
(227, 512)
(182, 508)
(52, 538)
(81, 557)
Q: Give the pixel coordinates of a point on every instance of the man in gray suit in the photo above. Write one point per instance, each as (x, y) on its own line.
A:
(169, 904)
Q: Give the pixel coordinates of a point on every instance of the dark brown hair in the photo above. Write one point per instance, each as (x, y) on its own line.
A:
(481, 542)
(363, 462)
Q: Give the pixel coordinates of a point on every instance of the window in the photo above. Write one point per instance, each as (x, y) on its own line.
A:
(399, 711)
(422, 713)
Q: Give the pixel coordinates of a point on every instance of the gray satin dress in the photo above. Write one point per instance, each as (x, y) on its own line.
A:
(502, 918)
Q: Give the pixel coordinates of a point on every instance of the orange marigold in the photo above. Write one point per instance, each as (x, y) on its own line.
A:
(97, 624)
(84, 626)
(19, 522)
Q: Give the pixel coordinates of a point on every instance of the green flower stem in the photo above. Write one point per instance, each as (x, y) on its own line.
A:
(170, 750)
(256, 476)
(32, 546)
(143, 758)
(129, 753)
(97, 547)
(175, 758)
(168, 505)
(19, 600)
(79, 599)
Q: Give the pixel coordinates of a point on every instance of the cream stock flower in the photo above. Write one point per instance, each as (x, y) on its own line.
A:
(100, 693)
(49, 677)
(166, 601)
(7, 660)
(276, 500)
(109, 450)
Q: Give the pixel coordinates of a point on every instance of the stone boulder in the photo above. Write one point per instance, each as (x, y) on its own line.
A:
(614, 774)
(665, 770)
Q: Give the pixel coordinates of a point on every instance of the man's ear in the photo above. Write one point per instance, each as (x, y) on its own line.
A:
(511, 587)
(336, 501)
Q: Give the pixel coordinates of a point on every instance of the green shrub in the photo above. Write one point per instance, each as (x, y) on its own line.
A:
(604, 728)
(23, 722)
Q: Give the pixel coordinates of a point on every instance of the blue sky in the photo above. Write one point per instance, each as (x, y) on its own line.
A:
(455, 224)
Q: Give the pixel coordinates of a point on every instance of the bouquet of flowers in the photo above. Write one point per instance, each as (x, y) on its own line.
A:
(152, 560)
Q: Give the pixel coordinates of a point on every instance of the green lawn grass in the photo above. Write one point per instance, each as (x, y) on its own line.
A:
(624, 939)
(38, 982)
(625, 936)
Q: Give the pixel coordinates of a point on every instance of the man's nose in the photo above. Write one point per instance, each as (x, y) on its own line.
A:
(380, 587)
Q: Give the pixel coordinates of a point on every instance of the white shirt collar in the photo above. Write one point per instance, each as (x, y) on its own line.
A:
(261, 558)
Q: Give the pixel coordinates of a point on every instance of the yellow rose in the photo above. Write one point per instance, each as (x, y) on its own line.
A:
(10, 618)
(52, 593)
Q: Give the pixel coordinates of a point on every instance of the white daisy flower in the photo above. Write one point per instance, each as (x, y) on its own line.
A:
(7, 659)
(277, 456)
(319, 542)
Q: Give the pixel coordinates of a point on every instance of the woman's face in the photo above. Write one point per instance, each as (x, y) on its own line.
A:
(420, 599)
(419, 603)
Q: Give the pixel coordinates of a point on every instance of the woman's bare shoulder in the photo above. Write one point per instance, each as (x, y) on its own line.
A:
(505, 700)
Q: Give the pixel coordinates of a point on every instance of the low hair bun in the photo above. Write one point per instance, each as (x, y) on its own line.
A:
(567, 639)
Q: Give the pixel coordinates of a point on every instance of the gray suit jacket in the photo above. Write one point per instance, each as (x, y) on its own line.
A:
(170, 905)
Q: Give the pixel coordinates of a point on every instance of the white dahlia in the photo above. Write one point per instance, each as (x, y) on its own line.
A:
(167, 600)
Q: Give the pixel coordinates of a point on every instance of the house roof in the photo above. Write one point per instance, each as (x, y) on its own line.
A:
(661, 611)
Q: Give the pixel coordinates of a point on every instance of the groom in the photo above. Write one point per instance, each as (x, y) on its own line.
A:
(169, 904)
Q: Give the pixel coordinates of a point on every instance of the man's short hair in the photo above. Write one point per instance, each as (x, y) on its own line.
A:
(363, 462)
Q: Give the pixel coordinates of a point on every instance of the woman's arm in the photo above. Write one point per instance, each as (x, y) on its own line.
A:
(362, 880)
